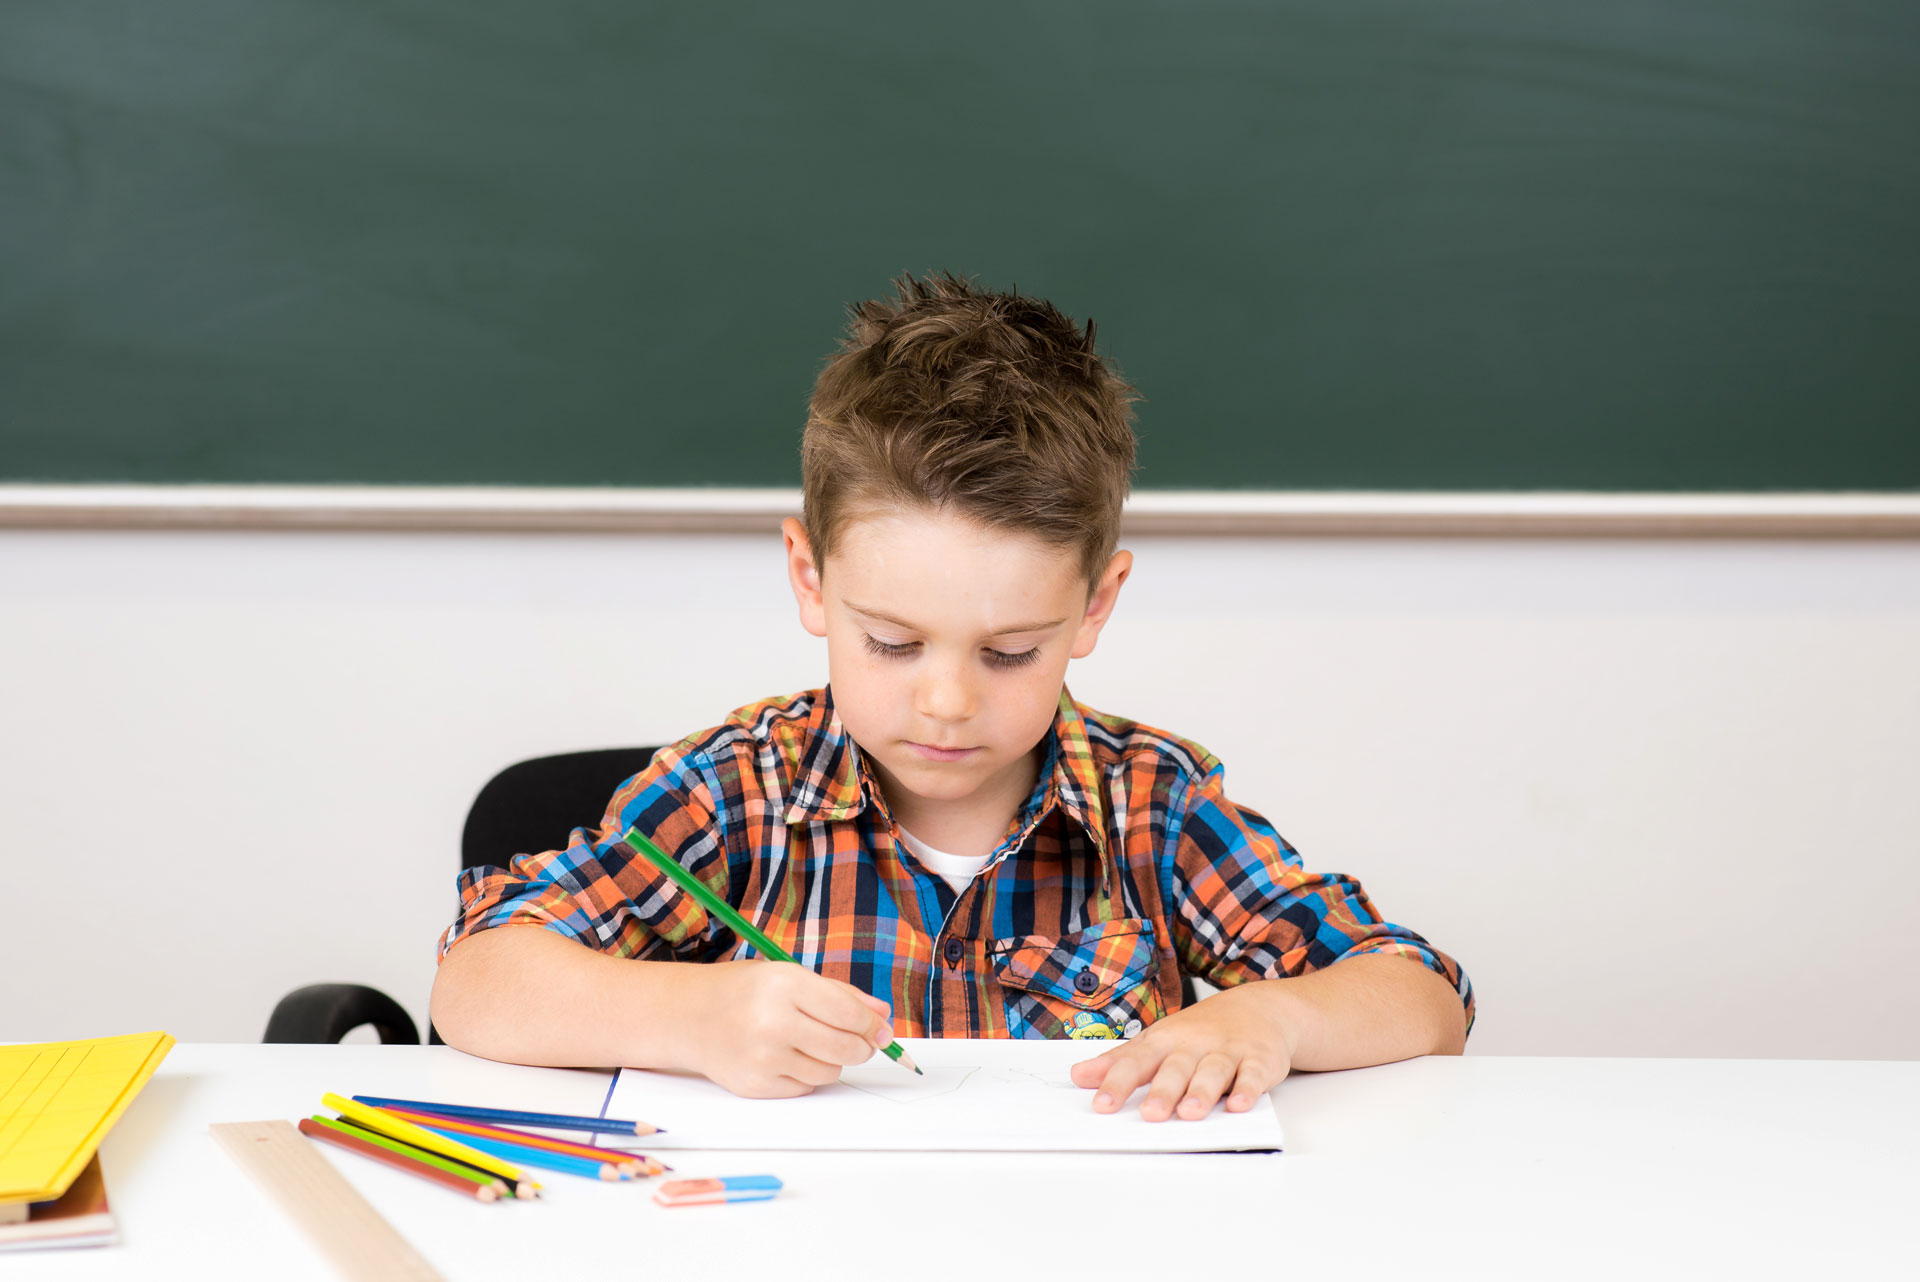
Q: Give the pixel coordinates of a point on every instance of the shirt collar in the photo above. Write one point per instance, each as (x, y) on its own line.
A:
(1072, 779)
(831, 782)
(827, 770)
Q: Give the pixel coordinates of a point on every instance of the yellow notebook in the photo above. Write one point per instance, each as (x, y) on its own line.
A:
(57, 1102)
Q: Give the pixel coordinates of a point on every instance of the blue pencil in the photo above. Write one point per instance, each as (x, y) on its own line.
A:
(545, 1159)
(513, 1117)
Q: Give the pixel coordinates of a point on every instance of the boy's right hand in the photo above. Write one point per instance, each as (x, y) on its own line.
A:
(769, 1030)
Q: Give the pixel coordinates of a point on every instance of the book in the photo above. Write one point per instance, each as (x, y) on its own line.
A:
(78, 1217)
(58, 1100)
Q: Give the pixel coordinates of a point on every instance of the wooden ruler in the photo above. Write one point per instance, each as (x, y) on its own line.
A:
(344, 1225)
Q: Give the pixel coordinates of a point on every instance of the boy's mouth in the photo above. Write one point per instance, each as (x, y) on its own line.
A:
(932, 753)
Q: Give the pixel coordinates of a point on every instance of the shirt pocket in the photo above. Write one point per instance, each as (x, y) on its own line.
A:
(1098, 983)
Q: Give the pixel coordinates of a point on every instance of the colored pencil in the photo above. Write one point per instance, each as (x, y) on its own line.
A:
(404, 1149)
(506, 1134)
(638, 1162)
(399, 1161)
(516, 1117)
(375, 1119)
(725, 911)
(547, 1160)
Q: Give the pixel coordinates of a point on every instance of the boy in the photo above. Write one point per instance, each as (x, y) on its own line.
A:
(946, 841)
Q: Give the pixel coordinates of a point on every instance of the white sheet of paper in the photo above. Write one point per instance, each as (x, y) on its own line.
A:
(977, 1094)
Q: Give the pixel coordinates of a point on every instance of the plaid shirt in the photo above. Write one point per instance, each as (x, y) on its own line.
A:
(1126, 866)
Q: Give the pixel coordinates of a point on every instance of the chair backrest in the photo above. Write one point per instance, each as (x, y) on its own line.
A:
(532, 805)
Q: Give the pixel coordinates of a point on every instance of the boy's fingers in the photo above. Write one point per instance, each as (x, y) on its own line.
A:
(1127, 1069)
(1169, 1084)
(1091, 1072)
(1210, 1080)
(830, 1045)
(1250, 1085)
(840, 1006)
(802, 1067)
(883, 1032)
(778, 1087)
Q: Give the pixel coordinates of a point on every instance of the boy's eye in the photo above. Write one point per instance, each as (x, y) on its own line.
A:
(998, 658)
(885, 650)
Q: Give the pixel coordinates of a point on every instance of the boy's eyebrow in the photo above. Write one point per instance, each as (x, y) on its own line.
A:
(898, 622)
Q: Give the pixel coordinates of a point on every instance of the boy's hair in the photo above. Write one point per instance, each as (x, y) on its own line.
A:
(990, 406)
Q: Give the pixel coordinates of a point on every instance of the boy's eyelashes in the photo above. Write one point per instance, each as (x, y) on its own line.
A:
(998, 658)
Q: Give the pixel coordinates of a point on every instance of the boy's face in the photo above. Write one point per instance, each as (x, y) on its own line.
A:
(947, 647)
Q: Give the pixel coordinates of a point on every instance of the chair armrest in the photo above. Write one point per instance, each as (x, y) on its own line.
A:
(327, 1012)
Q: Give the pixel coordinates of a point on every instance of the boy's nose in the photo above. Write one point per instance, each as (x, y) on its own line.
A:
(945, 695)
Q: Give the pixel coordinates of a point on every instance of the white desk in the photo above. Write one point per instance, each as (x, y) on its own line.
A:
(1468, 1168)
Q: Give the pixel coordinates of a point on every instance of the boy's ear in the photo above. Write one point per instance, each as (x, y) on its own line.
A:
(804, 573)
(1106, 594)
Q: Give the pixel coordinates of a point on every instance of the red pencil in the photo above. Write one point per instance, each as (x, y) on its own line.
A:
(399, 1161)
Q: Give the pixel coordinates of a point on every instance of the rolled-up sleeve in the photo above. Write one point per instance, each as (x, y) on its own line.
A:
(601, 893)
(1247, 909)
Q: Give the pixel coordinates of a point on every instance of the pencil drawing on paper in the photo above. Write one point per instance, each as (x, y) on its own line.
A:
(889, 1083)
(1058, 1081)
(884, 1081)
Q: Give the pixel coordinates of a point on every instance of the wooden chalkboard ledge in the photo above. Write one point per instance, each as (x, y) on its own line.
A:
(1234, 513)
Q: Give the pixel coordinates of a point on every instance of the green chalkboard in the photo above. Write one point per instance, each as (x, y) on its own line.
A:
(1488, 244)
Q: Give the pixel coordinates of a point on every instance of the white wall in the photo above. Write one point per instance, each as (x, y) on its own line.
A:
(1659, 797)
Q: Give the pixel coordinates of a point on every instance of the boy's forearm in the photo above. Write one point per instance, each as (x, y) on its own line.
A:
(1371, 1009)
(526, 995)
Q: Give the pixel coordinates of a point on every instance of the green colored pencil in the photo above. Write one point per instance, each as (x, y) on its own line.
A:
(720, 908)
(486, 1179)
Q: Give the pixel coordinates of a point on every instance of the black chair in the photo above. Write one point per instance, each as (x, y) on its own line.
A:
(531, 805)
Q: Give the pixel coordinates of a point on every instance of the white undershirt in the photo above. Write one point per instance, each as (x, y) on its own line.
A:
(955, 870)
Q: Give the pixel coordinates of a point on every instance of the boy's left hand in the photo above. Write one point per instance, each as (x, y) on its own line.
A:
(1237, 1044)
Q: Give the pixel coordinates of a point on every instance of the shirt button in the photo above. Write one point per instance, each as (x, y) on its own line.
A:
(953, 952)
(1085, 982)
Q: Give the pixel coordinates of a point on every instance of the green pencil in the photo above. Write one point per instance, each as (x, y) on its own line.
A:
(720, 908)
(486, 1179)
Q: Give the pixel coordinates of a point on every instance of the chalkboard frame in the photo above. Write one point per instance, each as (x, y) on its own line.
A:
(486, 509)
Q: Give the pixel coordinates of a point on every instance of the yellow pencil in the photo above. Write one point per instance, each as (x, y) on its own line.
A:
(387, 1124)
